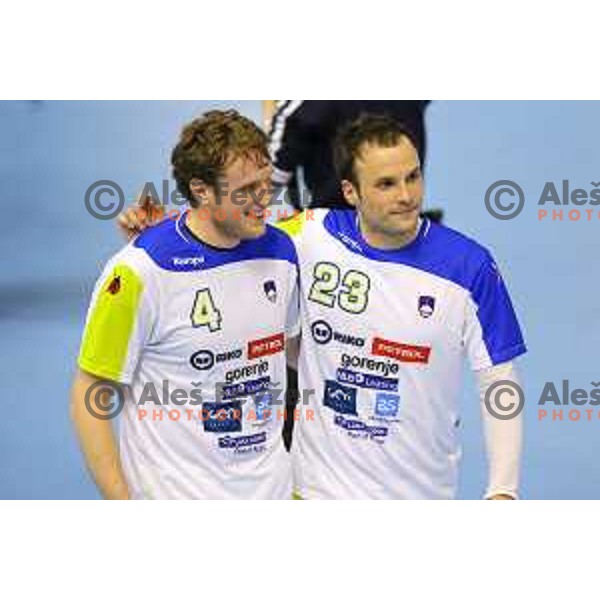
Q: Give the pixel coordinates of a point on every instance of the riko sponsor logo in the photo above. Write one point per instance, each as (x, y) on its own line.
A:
(367, 380)
(340, 398)
(323, 333)
(266, 346)
(359, 429)
(401, 352)
(207, 359)
(381, 367)
(247, 371)
(222, 417)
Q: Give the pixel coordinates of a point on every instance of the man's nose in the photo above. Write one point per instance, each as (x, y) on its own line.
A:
(403, 194)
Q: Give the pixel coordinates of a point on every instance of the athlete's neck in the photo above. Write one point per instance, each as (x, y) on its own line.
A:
(384, 241)
(199, 223)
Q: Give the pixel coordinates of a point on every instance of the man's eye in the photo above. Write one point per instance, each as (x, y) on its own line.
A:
(385, 184)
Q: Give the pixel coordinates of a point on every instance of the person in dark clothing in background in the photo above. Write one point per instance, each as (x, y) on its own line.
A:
(301, 135)
(302, 132)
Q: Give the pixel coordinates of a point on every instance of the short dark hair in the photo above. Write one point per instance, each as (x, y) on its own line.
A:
(380, 129)
(207, 143)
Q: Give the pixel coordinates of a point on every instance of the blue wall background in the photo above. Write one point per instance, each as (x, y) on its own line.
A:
(51, 251)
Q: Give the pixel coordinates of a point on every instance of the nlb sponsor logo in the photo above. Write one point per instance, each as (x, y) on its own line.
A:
(366, 380)
(246, 388)
(266, 346)
(401, 352)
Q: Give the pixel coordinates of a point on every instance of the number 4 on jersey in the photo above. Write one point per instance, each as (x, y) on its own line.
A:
(204, 311)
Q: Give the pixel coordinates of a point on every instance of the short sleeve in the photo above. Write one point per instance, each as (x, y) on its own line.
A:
(293, 228)
(118, 325)
(492, 334)
(292, 324)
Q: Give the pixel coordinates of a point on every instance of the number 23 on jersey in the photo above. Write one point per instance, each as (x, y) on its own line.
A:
(352, 295)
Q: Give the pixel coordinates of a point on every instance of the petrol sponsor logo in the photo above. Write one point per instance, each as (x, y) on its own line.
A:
(366, 380)
(266, 346)
(359, 429)
(245, 388)
(323, 333)
(426, 306)
(340, 398)
(401, 352)
(382, 367)
(206, 359)
(222, 417)
(387, 405)
(247, 371)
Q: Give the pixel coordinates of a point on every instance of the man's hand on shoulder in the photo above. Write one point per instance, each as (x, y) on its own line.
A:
(139, 216)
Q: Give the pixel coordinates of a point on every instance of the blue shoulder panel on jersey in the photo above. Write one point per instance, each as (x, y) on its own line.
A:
(453, 256)
(173, 247)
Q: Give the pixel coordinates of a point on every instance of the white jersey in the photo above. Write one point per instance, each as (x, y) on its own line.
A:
(198, 334)
(385, 333)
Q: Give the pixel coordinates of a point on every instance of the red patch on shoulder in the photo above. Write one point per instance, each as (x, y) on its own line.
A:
(114, 286)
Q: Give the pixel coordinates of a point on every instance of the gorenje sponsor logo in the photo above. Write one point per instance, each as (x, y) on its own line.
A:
(383, 367)
(248, 371)
(266, 346)
(401, 352)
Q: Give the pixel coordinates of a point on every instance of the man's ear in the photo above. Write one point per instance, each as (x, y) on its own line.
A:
(350, 192)
(200, 191)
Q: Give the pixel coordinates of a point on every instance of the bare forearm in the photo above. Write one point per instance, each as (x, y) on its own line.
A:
(98, 444)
